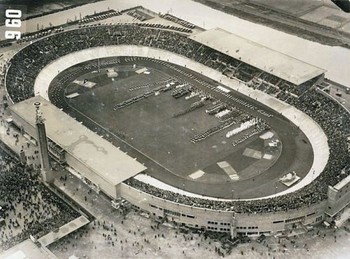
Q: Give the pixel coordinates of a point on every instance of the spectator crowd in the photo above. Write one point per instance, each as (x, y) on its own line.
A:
(334, 120)
(27, 206)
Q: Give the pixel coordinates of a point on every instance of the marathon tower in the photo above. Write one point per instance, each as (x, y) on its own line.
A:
(46, 171)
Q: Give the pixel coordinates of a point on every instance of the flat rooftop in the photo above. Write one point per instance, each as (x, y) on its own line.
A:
(63, 231)
(254, 54)
(342, 183)
(98, 154)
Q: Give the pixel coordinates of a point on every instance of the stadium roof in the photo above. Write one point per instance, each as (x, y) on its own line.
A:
(264, 58)
(98, 154)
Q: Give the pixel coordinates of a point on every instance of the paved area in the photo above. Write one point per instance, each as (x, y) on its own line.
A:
(134, 235)
(26, 250)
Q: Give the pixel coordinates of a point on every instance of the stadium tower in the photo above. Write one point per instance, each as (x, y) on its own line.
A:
(46, 171)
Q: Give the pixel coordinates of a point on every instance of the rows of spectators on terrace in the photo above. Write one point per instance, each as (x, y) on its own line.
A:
(332, 118)
(27, 64)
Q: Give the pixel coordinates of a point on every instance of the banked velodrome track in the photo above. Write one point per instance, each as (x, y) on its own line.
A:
(312, 130)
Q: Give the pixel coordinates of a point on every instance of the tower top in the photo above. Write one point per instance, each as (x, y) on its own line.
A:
(38, 114)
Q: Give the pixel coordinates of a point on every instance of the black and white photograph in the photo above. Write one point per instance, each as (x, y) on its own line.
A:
(174, 129)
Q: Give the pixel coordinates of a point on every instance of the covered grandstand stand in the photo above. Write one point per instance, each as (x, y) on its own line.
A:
(93, 157)
(270, 61)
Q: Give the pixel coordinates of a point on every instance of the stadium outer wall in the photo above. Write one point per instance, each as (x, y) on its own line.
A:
(196, 217)
(252, 224)
(215, 220)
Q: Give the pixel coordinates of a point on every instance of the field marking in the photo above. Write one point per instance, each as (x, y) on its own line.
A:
(252, 153)
(267, 156)
(229, 170)
(197, 174)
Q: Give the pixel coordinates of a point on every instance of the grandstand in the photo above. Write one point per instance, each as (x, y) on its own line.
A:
(261, 57)
(84, 151)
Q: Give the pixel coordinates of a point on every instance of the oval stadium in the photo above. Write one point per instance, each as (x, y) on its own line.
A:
(197, 127)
